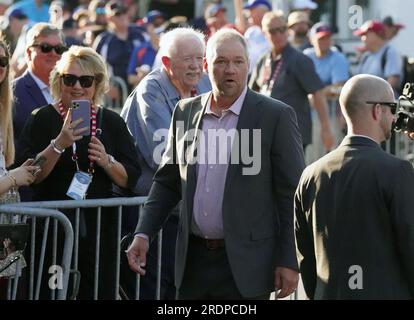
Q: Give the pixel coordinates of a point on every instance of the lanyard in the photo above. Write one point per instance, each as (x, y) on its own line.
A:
(93, 134)
(193, 92)
(268, 89)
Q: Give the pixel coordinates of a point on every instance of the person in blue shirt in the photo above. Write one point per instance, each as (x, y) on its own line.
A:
(380, 59)
(148, 112)
(117, 43)
(140, 64)
(331, 65)
(35, 10)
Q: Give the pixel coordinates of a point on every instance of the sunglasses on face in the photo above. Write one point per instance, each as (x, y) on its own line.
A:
(391, 105)
(4, 62)
(46, 48)
(70, 80)
(273, 31)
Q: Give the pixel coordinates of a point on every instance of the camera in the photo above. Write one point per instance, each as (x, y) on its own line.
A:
(405, 117)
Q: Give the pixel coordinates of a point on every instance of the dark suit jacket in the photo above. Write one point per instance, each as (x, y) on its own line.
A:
(257, 209)
(355, 207)
(27, 97)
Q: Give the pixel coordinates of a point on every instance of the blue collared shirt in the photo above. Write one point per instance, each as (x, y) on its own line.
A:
(332, 68)
(148, 109)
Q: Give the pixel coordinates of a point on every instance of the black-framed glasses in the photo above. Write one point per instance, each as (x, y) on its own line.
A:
(46, 48)
(70, 80)
(275, 30)
(4, 62)
(391, 105)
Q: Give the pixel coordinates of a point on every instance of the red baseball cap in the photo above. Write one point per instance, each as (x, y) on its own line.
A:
(370, 25)
(389, 21)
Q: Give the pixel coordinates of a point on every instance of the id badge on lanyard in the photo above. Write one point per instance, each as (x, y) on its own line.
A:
(267, 88)
(79, 185)
(81, 180)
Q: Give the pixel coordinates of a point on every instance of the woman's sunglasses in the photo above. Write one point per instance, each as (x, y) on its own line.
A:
(46, 48)
(70, 80)
(4, 62)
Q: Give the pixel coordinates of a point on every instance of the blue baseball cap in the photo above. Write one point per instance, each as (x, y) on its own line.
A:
(153, 14)
(320, 30)
(254, 3)
(213, 9)
(17, 13)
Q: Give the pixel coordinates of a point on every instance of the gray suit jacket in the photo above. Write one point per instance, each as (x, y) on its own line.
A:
(257, 209)
(355, 207)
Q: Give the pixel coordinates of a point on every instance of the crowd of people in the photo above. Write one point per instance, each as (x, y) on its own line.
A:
(228, 233)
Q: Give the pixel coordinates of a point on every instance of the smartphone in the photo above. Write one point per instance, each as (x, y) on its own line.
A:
(38, 162)
(82, 109)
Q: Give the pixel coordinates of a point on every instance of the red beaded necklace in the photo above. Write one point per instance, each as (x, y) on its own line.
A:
(93, 134)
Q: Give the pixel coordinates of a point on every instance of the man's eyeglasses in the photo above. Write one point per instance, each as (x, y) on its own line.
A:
(273, 31)
(46, 48)
(70, 80)
(391, 105)
(4, 62)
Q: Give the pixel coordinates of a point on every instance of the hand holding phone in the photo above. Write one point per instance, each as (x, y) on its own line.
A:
(38, 162)
(82, 109)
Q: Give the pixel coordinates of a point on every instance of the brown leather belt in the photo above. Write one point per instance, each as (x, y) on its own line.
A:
(210, 244)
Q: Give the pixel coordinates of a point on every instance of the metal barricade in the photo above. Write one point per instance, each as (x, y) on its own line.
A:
(64, 267)
(116, 104)
(98, 204)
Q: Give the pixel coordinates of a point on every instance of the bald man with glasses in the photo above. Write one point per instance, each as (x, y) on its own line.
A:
(354, 221)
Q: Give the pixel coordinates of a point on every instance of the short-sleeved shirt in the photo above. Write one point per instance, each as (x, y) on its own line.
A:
(297, 78)
(32, 11)
(371, 63)
(144, 54)
(117, 52)
(332, 68)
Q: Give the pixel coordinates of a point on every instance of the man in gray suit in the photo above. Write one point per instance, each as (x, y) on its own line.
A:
(354, 220)
(235, 237)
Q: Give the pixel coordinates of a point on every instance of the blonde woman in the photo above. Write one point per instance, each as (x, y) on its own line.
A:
(106, 156)
(21, 176)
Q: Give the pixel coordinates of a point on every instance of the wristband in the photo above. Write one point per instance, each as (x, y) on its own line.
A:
(55, 148)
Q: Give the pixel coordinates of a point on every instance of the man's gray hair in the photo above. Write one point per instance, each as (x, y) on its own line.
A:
(223, 35)
(42, 29)
(168, 41)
